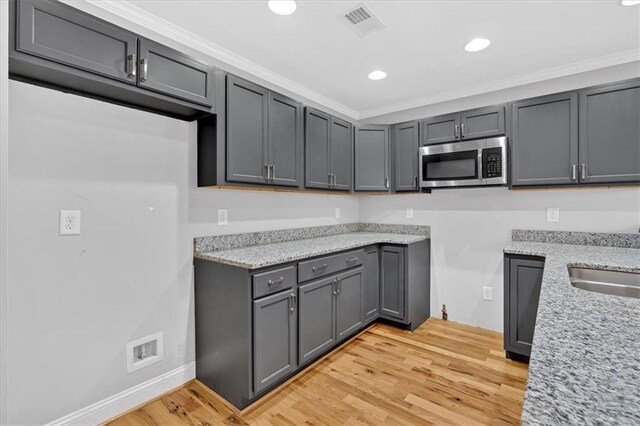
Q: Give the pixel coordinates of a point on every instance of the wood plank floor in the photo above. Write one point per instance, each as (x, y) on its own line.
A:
(443, 373)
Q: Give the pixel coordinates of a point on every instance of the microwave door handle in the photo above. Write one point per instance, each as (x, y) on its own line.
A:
(480, 177)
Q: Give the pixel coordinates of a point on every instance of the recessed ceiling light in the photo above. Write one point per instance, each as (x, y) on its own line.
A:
(629, 2)
(282, 7)
(477, 44)
(377, 75)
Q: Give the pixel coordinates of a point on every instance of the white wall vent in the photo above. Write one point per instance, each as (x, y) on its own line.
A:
(363, 21)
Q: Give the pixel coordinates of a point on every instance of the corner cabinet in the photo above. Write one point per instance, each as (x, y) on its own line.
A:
(372, 158)
(328, 151)
(263, 132)
(392, 282)
(371, 283)
(61, 47)
(522, 283)
(406, 142)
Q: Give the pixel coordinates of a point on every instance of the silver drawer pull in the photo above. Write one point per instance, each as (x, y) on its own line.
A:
(317, 268)
(335, 286)
(353, 259)
(278, 281)
(294, 302)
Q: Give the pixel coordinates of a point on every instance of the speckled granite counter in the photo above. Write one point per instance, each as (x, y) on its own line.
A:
(257, 250)
(585, 361)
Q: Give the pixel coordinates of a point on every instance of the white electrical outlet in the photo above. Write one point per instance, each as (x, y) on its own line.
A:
(337, 212)
(409, 212)
(487, 293)
(144, 352)
(223, 217)
(70, 222)
(553, 214)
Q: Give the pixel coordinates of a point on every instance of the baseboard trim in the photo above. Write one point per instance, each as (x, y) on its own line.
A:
(114, 405)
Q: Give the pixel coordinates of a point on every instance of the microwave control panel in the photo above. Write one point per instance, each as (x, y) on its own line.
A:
(491, 163)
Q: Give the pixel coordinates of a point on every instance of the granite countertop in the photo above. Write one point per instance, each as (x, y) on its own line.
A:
(585, 361)
(258, 250)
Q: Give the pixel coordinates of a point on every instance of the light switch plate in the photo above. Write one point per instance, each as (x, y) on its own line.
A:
(223, 217)
(553, 214)
(409, 212)
(337, 212)
(487, 293)
(69, 222)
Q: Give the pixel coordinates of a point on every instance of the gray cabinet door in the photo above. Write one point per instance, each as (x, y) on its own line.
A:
(285, 140)
(522, 293)
(341, 147)
(406, 141)
(173, 73)
(440, 129)
(316, 318)
(483, 123)
(372, 158)
(371, 283)
(349, 313)
(247, 108)
(57, 32)
(316, 144)
(393, 283)
(610, 133)
(274, 339)
(544, 140)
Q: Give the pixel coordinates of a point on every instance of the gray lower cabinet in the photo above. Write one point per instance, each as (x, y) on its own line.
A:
(544, 140)
(610, 133)
(168, 71)
(371, 283)
(392, 282)
(522, 283)
(317, 330)
(441, 129)
(341, 143)
(349, 315)
(483, 123)
(274, 339)
(372, 158)
(406, 141)
(264, 132)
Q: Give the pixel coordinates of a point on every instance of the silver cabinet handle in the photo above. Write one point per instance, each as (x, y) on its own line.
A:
(339, 286)
(131, 65)
(330, 179)
(334, 180)
(266, 167)
(143, 74)
(273, 172)
(335, 286)
(318, 268)
(462, 135)
(416, 179)
(455, 131)
(272, 282)
(574, 175)
(386, 182)
(583, 171)
(351, 260)
(294, 302)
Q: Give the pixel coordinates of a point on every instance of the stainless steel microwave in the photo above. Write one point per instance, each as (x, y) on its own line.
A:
(471, 163)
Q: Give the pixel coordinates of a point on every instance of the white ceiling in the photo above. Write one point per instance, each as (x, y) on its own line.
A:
(421, 47)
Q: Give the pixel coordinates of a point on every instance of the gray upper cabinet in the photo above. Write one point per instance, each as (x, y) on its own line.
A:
(285, 134)
(406, 139)
(610, 133)
(371, 283)
(247, 106)
(523, 280)
(316, 322)
(393, 283)
(341, 147)
(372, 158)
(173, 73)
(349, 314)
(441, 129)
(544, 140)
(56, 32)
(483, 123)
(274, 339)
(317, 131)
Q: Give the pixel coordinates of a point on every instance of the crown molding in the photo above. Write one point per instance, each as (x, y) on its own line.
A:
(131, 13)
(619, 58)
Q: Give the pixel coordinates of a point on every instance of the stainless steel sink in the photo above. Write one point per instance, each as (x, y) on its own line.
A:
(608, 282)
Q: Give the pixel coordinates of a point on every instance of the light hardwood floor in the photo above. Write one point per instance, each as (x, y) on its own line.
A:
(443, 373)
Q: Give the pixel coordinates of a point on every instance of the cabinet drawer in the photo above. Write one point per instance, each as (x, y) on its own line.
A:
(273, 281)
(311, 269)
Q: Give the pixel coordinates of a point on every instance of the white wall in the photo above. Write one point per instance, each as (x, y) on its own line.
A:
(470, 227)
(76, 301)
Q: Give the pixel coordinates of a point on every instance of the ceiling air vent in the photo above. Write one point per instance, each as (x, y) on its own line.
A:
(363, 21)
